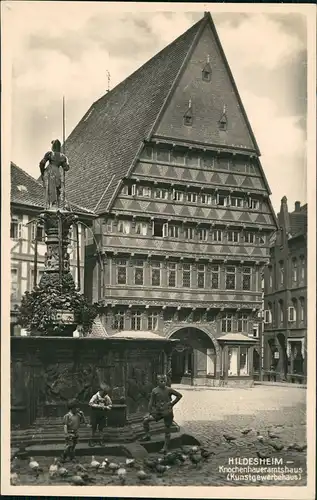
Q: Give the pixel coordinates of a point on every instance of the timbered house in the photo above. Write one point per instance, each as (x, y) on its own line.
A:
(168, 161)
(27, 202)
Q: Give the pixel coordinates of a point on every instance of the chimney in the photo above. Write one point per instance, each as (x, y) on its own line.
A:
(297, 206)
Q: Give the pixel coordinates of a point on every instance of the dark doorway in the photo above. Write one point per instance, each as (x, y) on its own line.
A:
(256, 361)
(283, 364)
(182, 365)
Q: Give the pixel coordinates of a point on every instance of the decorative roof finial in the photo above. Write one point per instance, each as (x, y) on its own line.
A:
(224, 109)
(208, 59)
(190, 103)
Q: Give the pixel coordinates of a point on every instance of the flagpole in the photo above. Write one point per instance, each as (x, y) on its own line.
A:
(64, 127)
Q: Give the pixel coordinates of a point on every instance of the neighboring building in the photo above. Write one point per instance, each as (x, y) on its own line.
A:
(285, 314)
(169, 162)
(27, 202)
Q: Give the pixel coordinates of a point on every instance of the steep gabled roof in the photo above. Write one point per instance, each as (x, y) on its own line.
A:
(28, 192)
(25, 190)
(104, 144)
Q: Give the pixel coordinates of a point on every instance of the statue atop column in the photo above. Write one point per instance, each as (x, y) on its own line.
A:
(52, 166)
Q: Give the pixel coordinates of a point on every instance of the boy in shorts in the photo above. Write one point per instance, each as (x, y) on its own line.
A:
(99, 404)
(72, 421)
(161, 407)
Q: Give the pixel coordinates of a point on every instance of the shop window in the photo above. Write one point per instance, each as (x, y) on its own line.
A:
(244, 362)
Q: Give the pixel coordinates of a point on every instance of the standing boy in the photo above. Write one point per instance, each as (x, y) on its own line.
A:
(72, 421)
(161, 407)
(99, 404)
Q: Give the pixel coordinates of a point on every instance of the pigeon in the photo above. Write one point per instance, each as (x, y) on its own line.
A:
(297, 447)
(206, 453)
(14, 478)
(160, 468)
(150, 463)
(78, 480)
(104, 464)
(195, 458)
(194, 449)
(142, 475)
(277, 446)
(94, 463)
(81, 468)
(34, 466)
(114, 467)
(63, 472)
(130, 462)
(259, 437)
(272, 435)
(53, 470)
(246, 431)
(182, 457)
(170, 458)
(122, 474)
(229, 437)
(262, 455)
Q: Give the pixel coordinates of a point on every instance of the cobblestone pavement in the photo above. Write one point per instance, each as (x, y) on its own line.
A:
(208, 414)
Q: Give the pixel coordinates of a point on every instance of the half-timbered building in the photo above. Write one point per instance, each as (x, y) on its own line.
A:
(27, 202)
(168, 161)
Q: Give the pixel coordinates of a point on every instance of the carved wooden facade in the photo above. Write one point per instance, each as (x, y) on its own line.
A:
(183, 231)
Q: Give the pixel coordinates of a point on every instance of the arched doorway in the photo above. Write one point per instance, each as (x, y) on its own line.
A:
(196, 358)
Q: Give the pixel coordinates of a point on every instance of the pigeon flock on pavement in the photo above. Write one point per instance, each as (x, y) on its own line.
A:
(118, 472)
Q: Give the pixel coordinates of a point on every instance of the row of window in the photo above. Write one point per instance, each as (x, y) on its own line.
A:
(238, 362)
(193, 159)
(16, 228)
(216, 199)
(295, 313)
(185, 277)
(297, 272)
(230, 323)
(188, 232)
(36, 231)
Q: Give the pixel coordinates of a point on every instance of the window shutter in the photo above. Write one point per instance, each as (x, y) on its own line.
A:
(267, 316)
(291, 315)
(20, 230)
(173, 194)
(165, 229)
(152, 227)
(133, 189)
(217, 198)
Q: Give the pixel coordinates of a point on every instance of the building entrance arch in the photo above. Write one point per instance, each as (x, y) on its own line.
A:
(197, 356)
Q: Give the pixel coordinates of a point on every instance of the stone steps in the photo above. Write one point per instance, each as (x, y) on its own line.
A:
(131, 450)
(52, 433)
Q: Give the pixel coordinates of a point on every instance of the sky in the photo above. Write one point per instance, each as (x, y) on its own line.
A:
(67, 49)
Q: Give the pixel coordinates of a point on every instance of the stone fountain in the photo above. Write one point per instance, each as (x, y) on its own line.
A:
(51, 366)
